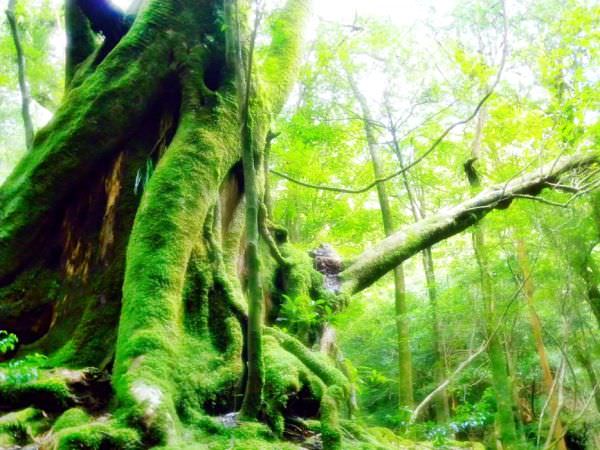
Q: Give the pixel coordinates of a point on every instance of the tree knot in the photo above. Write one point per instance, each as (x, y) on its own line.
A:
(329, 263)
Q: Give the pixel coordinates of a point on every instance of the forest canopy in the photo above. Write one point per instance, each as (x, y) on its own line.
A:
(289, 224)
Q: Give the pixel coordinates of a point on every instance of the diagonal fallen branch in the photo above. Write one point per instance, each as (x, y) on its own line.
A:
(387, 254)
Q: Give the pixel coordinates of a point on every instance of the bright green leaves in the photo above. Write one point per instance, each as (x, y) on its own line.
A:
(8, 341)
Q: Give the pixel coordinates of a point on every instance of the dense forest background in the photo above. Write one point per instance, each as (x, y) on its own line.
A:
(501, 321)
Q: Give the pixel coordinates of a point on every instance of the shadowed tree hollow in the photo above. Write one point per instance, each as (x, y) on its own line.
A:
(124, 239)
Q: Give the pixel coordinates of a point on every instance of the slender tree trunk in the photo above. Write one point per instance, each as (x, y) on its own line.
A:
(22, 76)
(405, 383)
(442, 407)
(255, 363)
(441, 404)
(513, 376)
(536, 329)
(585, 361)
(505, 415)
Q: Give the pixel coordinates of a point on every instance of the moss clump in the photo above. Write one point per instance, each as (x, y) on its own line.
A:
(97, 435)
(300, 367)
(50, 394)
(330, 420)
(20, 427)
(317, 362)
(285, 376)
(71, 418)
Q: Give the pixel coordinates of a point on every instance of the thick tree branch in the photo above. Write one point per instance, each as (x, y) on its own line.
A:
(23, 87)
(80, 39)
(409, 240)
(283, 57)
(73, 143)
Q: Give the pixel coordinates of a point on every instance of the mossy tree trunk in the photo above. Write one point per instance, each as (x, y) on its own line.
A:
(136, 196)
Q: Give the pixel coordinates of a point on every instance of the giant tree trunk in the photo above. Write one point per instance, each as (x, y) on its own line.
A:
(141, 272)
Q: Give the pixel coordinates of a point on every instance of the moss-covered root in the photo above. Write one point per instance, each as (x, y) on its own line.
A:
(73, 429)
(152, 334)
(97, 435)
(330, 418)
(315, 371)
(316, 362)
(53, 394)
(20, 427)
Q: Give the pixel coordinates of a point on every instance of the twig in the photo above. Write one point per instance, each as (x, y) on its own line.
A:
(575, 419)
(417, 411)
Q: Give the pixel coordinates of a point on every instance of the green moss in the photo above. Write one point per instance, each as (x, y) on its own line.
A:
(290, 367)
(97, 435)
(317, 362)
(330, 420)
(71, 418)
(50, 394)
(245, 436)
(20, 427)
(285, 375)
